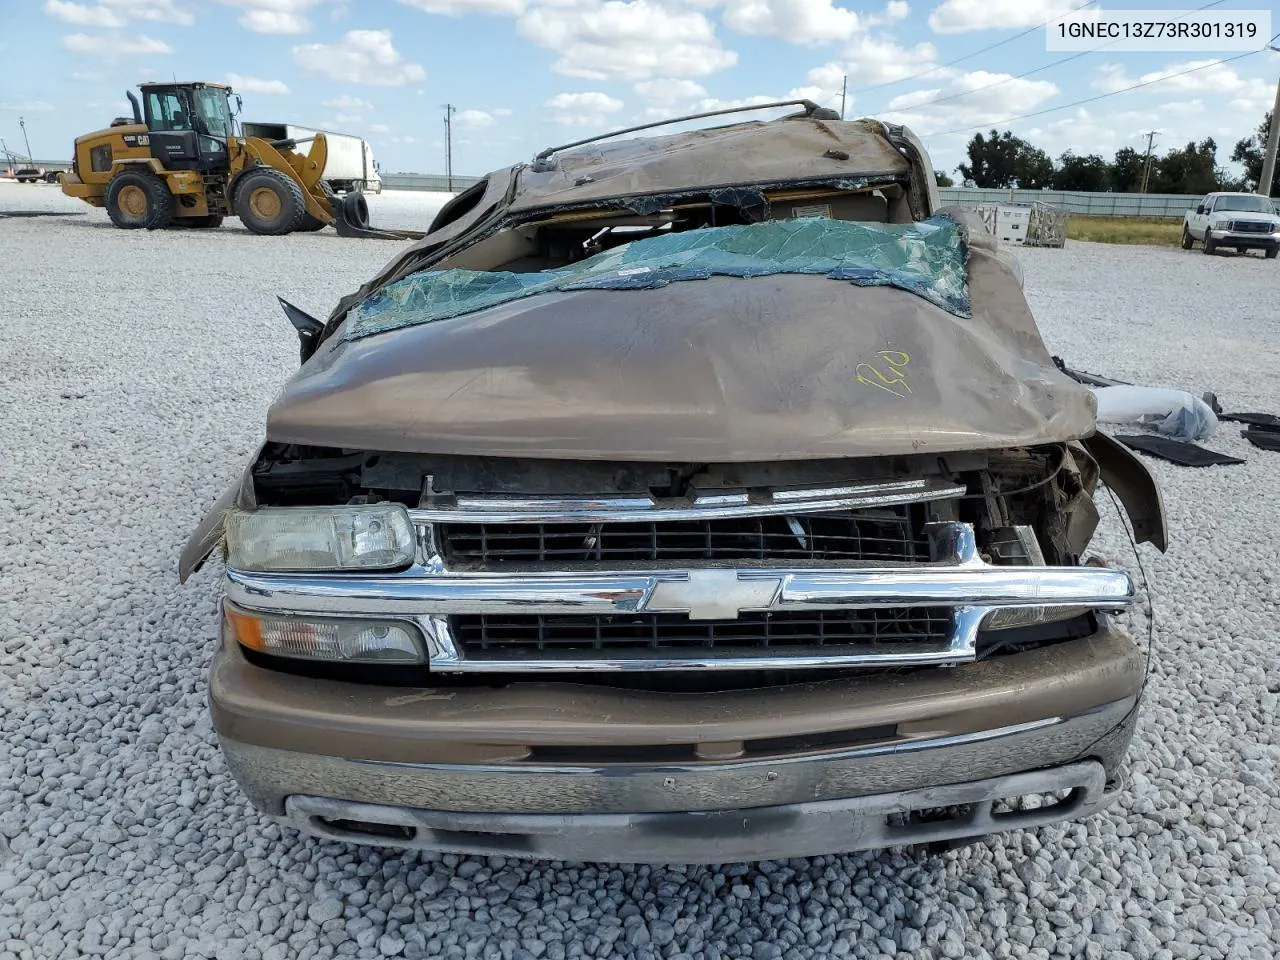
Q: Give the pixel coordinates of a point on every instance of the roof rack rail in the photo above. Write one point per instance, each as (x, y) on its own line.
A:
(811, 109)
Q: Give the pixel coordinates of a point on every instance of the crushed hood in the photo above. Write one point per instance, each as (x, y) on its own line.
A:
(726, 369)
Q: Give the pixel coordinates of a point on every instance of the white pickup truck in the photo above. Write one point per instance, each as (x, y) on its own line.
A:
(1245, 221)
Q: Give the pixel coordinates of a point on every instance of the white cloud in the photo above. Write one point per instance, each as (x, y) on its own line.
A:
(379, 128)
(582, 109)
(279, 17)
(348, 104)
(456, 8)
(474, 119)
(796, 21)
(157, 11)
(348, 118)
(870, 60)
(962, 16)
(896, 10)
(113, 46)
(113, 14)
(626, 39)
(361, 56)
(82, 15)
(669, 91)
(26, 106)
(501, 111)
(1220, 80)
(980, 98)
(255, 85)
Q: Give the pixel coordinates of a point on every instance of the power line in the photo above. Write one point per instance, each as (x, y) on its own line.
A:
(970, 56)
(1047, 66)
(1101, 96)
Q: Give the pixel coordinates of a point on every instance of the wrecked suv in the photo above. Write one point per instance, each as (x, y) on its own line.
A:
(701, 497)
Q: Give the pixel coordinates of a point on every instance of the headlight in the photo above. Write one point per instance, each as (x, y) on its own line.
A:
(1014, 617)
(375, 537)
(1019, 546)
(321, 638)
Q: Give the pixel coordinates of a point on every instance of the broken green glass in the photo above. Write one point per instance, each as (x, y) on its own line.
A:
(926, 258)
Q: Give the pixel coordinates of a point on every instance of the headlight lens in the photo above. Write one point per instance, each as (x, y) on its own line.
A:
(319, 638)
(1014, 617)
(1020, 547)
(375, 537)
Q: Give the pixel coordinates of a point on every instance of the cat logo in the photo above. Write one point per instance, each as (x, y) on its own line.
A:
(137, 140)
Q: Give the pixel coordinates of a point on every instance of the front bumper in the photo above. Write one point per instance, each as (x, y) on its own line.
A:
(564, 770)
(1251, 241)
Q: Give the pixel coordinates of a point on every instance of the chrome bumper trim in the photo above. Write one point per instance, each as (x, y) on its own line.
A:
(674, 591)
(270, 774)
(723, 836)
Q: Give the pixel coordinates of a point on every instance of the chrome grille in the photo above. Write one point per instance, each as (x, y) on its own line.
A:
(832, 631)
(882, 534)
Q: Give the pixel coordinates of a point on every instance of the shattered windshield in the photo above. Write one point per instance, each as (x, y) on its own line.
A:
(927, 259)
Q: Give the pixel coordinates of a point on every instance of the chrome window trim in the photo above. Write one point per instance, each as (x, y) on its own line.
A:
(719, 505)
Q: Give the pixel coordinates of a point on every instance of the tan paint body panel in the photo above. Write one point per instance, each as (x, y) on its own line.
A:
(721, 370)
(482, 725)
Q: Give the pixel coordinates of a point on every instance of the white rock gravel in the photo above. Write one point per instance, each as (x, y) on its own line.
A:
(135, 369)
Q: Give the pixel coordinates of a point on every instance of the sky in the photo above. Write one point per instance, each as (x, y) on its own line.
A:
(527, 74)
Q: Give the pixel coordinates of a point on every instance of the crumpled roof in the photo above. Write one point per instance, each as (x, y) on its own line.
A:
(753, 152)
(926, 258)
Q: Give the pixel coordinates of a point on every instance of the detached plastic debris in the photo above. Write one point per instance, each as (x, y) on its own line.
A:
(1268, 421)
(1174, 413)
(1181, 452)
(1264, 438)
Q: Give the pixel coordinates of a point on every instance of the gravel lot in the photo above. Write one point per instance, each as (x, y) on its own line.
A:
(135, 370)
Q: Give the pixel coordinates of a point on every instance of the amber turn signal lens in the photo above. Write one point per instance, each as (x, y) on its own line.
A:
(306, 638)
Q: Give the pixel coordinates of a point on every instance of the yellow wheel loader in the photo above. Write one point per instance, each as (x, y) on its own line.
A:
(179, 162)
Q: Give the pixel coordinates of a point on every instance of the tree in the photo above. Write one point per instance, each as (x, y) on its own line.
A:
(943, 179)
(1248, 153)
(1002, 160)
(1126, 170)
(1193, 169)
(1081, 173)
(1033, 168)
(992, 162)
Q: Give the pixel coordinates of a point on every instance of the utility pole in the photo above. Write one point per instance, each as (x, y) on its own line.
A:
(1146, 161)
(844, 92)
(449, 111)
(23, 124)
(1273, 139)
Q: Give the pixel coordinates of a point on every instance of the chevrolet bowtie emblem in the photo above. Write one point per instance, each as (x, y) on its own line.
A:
(713, 595)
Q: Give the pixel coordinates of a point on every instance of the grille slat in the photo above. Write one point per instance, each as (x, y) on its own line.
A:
(884, 534)
(831, 630)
